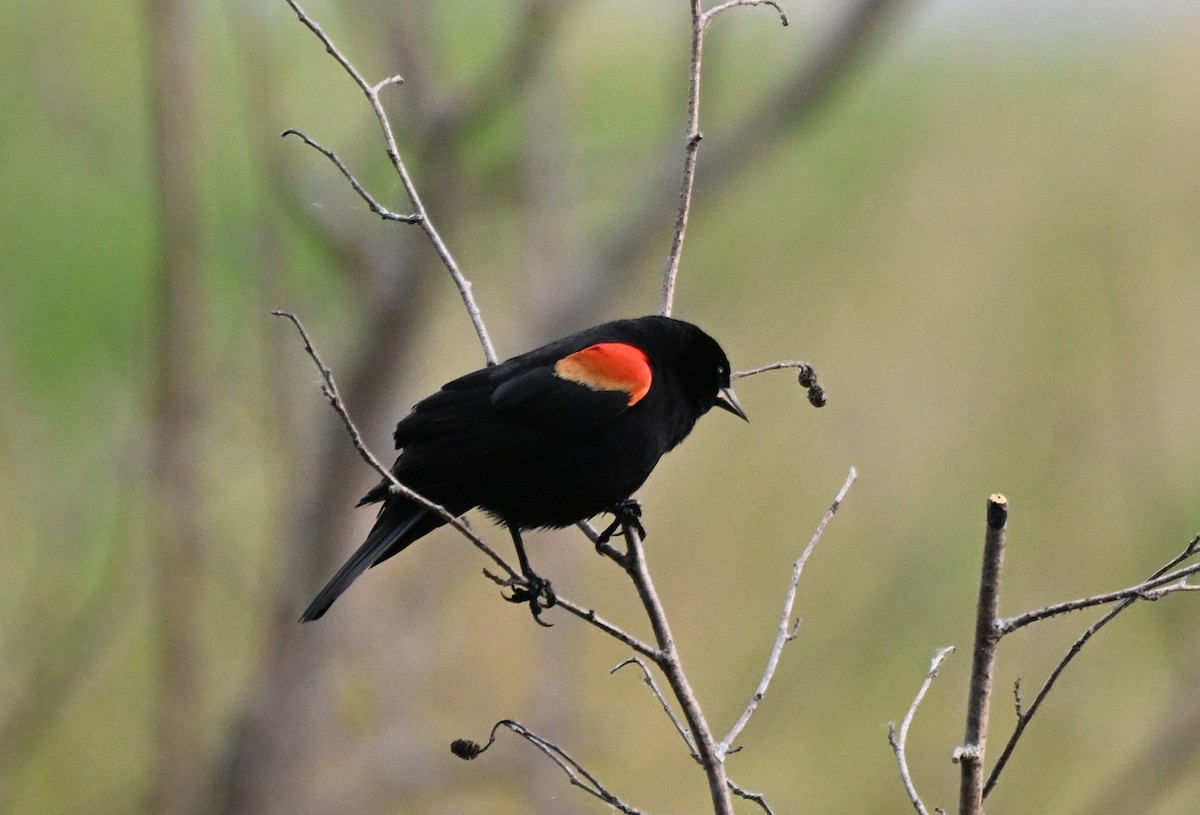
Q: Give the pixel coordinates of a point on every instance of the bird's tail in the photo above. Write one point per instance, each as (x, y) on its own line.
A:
(399, 524)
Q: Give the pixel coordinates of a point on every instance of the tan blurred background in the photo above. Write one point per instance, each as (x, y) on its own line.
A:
(984, 232)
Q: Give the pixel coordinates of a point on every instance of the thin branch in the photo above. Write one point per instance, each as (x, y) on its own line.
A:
(1023, 718)
(1165, 581)
(775, 366)
(715, 10)
(807, 378)
(614, 260)
(1154, 589)
(590, 616)
(375, 206)
(330, 389)
(648, 678)
(700, 21)
(419, 216)
(970, 756)
(899, 743)
(785, 632)
(754, 797)
(576, 773)
(691, 148)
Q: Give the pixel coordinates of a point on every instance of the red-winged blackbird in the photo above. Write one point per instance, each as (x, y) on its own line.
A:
(546, 439)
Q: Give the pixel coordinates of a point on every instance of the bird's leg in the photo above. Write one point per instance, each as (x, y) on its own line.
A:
(537, 591)
(627, 513)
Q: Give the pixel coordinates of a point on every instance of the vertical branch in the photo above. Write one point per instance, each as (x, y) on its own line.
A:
(971, 754)
(692, 146)
(700, 21)
(179, 777)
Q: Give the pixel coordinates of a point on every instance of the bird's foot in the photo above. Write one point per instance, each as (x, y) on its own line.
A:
(626, 513)
(538, 593)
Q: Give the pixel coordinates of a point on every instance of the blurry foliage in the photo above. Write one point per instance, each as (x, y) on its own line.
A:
(989, 253)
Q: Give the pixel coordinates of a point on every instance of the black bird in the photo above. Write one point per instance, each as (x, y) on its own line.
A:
(545, 439)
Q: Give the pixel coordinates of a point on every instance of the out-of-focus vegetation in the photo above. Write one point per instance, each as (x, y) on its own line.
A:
(990, 252)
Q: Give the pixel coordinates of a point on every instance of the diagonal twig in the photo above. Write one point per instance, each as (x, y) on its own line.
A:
(753, 797)
(1166, 580)
(589, 615)
(576, 773)
(899, 741)
(419, 216)
(1026, 715)
(376, 207)
(786, 631)
(648, 678)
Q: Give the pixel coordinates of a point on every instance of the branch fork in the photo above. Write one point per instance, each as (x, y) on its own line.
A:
(990, 629)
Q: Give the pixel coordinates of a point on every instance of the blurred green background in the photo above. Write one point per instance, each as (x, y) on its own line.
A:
(985, 236)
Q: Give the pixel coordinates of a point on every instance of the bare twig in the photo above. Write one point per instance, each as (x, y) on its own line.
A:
(700, 21)
(1132, 596)
(807, 378)
(1166, 580)
(785, 632)
(691, 148)
(590, 616)
(376, 207)
(330, 389)
(754, 797)
(648, 678)
(717, 9)
(776, 366)
(970, 756)
(1154, 589)
(899, 741)
(419, 216)
(614, 260)
(575, 772)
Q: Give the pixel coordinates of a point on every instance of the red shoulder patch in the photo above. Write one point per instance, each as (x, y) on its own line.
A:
(608, 366)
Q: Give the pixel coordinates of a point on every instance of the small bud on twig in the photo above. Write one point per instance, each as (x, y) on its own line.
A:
(466, 749)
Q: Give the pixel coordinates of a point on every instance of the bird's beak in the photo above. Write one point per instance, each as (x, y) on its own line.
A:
(727, 400)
